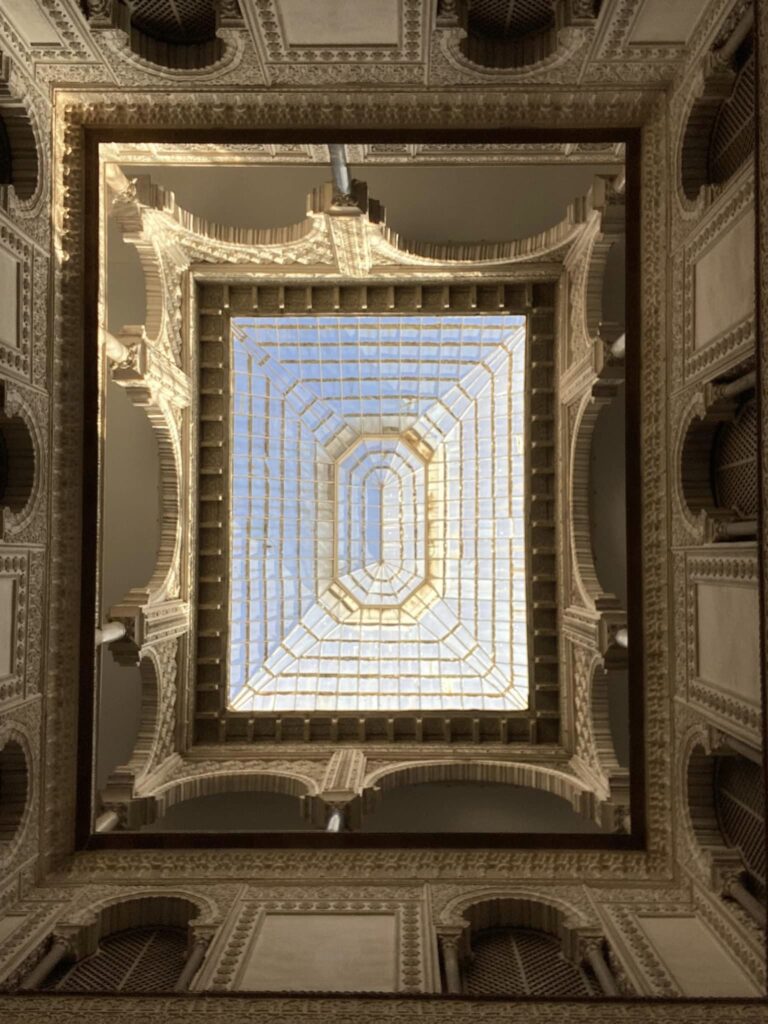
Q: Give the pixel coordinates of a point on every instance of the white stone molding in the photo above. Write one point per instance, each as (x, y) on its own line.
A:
(23, 515)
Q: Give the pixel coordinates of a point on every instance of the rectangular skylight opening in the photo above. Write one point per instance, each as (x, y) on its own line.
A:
(377, 549)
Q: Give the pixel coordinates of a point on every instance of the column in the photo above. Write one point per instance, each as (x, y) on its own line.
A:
(449, 948)
(43, 968)
(192, 966)
(335, 821)
(106, 822)
(602, 971)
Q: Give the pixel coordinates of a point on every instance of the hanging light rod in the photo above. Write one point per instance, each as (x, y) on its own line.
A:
(340, 167)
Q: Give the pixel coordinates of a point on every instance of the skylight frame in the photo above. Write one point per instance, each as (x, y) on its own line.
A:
(216, 301)
(307, 392)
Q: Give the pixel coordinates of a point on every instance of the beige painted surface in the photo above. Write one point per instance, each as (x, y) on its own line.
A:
(340, 22)
(323, 952)
(7, 605)
(727, 620)
(724, 281)
(694, 958)
(29, 18)
(666, 21)
(9, 298)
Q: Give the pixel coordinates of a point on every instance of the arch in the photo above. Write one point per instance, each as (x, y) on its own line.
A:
(716, 432)
(200, 43)
(143, 753)
(209, 784)
(518, 907)
(734, 460)
(174, 907)
(718, 133)
(580, 525)
(20, 163)
(164, 581)
(549, 780)
(499, 36)
(15, 790)
(140, 959)
(709, 853)
(21, 483)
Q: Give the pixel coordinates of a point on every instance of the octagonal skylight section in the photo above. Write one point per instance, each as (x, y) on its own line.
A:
(377, 523)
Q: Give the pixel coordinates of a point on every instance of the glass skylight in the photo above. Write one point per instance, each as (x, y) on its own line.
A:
(377, 544)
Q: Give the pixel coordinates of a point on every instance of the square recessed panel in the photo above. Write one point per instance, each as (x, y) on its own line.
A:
(340, 22)
(377, 527)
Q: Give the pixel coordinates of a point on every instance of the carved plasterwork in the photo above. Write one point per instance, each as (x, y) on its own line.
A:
(690, 362)
(449, 65)
(727, 710)
(28, 525)
(16, 359)
(228, 957)
(21, 725)
(25, 569)
(370, 1010)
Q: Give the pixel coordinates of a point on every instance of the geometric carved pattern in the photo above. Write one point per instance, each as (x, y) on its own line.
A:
(740, 805)
(522, 962)
(148, 959)
(735, 463)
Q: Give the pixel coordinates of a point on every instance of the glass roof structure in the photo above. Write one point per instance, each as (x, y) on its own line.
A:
(377, 514)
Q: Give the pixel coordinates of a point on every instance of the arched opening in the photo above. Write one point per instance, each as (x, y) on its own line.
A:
(523, 962)
(14, 789)
(740, 811)
(144, 959)
(136, 946)
(718, 461)
(17, 463)
(607, 505)
(232, 811)
(735, 463)
(19, 164)
(726, 807)
(176, 34)
(719, 135)
(479, 807)
(523, 947)
(508, 33)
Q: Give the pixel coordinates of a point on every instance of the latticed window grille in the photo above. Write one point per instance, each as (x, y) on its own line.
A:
(509, 18)
(733, 133)
(735, 463)
(739, 801)
(175, 21)
(521, 961)
(509, 33)
(134, 960)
